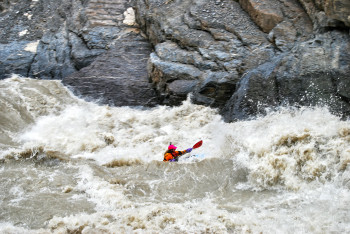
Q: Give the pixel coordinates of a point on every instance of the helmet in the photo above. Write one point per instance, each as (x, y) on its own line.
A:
(170, 147)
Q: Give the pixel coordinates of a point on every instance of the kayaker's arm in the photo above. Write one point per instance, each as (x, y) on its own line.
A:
(179, 153)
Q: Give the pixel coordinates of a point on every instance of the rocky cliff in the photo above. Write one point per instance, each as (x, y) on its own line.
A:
(238, 56)
(243, 56)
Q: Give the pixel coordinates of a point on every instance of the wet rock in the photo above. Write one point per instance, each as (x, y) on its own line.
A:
(111, 57)
(315, 72)
(16, 57)
(52, 58)
(71, 34)
(22, 25)
(255, 91)
(179, 89)
(119, 76)
(93, 45)
(216, 88)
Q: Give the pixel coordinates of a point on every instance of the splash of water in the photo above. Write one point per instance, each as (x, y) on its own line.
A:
(291, 164)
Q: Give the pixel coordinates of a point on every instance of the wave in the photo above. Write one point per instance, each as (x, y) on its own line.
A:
(287, 148)
(23, 101)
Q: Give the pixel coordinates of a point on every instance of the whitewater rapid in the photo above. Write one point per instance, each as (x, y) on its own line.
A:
(68, 165)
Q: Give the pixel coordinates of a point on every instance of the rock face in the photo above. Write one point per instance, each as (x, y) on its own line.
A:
(243, 56)
(315, 72)
(40, 29)
(93, 45)
(328, 13)
(239, 56)
(118, 77)
(37, 38)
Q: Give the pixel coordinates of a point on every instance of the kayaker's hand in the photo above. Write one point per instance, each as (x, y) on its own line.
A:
(189, 150)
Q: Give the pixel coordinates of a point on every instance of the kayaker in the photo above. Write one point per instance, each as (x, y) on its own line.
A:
(172, 155)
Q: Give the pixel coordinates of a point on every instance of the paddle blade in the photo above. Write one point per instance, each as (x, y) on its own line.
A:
(197, 145)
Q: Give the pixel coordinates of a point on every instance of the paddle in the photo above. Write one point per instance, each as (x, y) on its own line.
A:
(198, 144)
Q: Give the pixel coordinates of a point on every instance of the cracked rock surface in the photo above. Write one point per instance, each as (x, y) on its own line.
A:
(94, 46)
(239, 56)
(243, 56)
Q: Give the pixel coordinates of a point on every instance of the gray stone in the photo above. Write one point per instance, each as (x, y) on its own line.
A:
(216, 88)
(118, 77)
(296, 63)
(238, 56)
(255, 91)
(317, 73)
(196, 39)
(16, 57)
(178, 90)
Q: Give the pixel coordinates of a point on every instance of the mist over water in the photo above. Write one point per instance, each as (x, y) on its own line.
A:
(67, 165)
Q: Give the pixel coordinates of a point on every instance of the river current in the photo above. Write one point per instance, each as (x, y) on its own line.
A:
(71, 166)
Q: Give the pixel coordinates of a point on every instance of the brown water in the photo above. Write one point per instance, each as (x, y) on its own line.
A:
(71, 166)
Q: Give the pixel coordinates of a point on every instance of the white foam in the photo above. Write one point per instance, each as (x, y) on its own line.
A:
(296, 161)
(9, 228)
(272, 147)
(106, 134)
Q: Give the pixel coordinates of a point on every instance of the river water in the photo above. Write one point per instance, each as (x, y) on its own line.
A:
(71, 166)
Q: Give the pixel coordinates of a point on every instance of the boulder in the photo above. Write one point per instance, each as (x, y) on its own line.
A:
(314, 73)
(255, 92)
